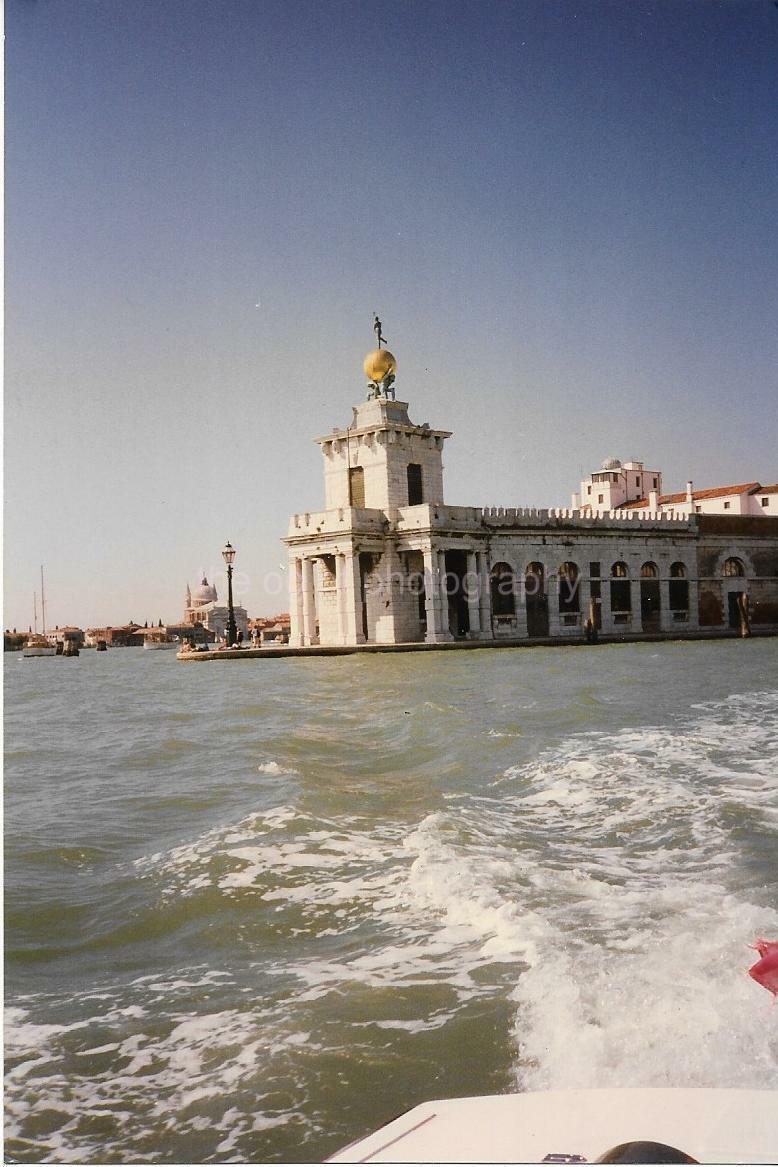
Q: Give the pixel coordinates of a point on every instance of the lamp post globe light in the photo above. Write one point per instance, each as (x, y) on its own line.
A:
(232, 632)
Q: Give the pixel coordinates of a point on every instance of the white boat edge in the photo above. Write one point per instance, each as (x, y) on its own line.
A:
(710, 1125)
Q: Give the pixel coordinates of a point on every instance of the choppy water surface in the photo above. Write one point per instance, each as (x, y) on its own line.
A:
(255, 909)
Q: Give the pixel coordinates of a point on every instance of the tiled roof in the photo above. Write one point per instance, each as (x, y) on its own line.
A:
(768, 489)
(711, 492)
(721, 491)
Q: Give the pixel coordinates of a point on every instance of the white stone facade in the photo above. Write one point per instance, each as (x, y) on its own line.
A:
(617, 484)
(388, 562)
(629, 486)
(379, 446)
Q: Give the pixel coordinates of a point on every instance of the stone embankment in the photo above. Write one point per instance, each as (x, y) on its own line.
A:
(463, 645)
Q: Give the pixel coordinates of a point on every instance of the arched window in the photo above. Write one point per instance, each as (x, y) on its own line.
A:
(650, 596)
(535, 579)
(535, 599)
(569, 592)
(678, 571)
(503, 590)
(733, 567)
(621, 597)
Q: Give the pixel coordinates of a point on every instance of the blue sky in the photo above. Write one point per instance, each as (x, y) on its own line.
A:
(564, 213)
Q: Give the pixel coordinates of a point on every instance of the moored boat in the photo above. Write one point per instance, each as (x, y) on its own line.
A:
(37, 645)
(157, 638)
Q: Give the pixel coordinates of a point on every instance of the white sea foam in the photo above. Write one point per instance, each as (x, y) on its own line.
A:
(639, 979)
(626, 907)
(274, 768)
(605, 835)
(154, 1077)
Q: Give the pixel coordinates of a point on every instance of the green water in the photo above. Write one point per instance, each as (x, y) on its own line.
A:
(255, 909)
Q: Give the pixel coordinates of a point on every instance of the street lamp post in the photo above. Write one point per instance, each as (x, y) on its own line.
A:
(232, 632)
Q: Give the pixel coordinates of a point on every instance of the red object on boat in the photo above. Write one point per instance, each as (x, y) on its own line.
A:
(765, 971)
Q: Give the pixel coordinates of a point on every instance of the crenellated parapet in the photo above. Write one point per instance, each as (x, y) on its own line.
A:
(527, 518)
(587, 519)
(431, 517)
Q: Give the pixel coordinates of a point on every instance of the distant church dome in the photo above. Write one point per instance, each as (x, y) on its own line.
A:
(611, 464)
(205, 594)
(378, 364)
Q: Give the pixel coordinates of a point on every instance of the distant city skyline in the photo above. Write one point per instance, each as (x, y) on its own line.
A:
(563, 214)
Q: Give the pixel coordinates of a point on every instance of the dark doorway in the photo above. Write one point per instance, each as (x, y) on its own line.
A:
(569, 592)
(503, 590)
(536, 600)
(649, 605)
(454, 587)
(414, 567)
(365, 567)
(734, 609)
(621, 593)
(650, 600)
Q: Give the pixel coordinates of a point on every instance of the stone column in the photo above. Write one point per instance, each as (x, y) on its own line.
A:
(390, 617)
(485, 597)
(694, 603)
(473, 583)
(636, 624)
(352, 600)
(666, 622)
(606, 615)
(552, 594)
(340, 595)
(584, 603)
(520, 601)
(295, 601)
(309, 603)
(436, 632)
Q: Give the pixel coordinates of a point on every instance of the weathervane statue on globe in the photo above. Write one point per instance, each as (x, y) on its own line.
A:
(379, 366)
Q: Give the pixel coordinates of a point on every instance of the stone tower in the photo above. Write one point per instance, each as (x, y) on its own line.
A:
(344, 561)
(383, 461)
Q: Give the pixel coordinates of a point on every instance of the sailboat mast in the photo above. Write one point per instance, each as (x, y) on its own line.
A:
(43, 603)
(35, 610)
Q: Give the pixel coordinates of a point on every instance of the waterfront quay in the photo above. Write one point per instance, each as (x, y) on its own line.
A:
(287, 650)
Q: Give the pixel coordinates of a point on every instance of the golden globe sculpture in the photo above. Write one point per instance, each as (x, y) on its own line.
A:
(379, 364)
